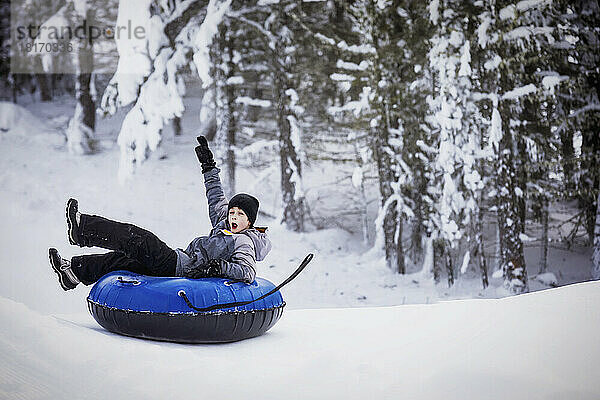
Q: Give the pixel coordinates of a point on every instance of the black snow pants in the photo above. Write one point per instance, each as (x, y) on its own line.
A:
(134, 249)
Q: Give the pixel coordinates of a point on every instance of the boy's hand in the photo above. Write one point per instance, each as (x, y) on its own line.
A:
(205, 156)
(210, 269)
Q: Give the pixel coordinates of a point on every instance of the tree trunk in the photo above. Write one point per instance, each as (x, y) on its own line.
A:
(509, 220)
(498, 253)
(291, 169)
(568, 154)
(42, 80)
(480, 249)
(84, 96)
(82, 126)
(232, 123)
(13, 85)
(417, 232)
(522, 179)
(596, 255)
(400, 264)
(392, 224)
(449, 266)
(364, 218)
(224, 107)
(590, 153)
(438, 254)
(544, 246)
(177, 126)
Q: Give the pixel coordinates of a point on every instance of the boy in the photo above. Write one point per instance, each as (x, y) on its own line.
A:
(229, 251)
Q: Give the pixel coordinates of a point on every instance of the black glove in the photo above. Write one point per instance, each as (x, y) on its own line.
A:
(205, 156)
(210, 269)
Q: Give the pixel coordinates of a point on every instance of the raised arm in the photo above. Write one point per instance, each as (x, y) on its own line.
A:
(217, 202)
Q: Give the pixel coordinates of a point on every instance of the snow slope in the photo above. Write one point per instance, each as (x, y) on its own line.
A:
(542, 345)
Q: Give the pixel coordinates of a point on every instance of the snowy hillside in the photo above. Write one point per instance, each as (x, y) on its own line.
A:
(542, 345)
(538, 346)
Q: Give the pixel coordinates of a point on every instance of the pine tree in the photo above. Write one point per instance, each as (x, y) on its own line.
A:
(581, 102)
(457, 145)
(386, 90)
(381, 29)
(502, 82)
(282, 33)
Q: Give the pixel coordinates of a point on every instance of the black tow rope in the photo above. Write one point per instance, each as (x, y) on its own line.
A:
(304, 263)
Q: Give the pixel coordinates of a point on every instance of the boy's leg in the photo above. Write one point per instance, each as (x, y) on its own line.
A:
(89, 268)
(136, 243)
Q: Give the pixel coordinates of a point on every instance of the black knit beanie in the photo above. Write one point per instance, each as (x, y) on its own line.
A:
(249, 204)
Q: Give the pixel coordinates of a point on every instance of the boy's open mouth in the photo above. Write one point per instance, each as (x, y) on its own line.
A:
(234, 225)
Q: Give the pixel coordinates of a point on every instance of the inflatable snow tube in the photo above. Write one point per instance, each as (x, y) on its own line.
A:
(168, 308)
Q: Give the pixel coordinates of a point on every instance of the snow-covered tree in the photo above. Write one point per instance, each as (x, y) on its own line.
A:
(278, 32)
(148, 69)
(455, 123)
(498, 35)
(290, 133)
(580, 103)
(384, 86)
(377, 53)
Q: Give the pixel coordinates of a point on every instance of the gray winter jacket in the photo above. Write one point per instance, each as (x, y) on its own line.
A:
(238, 251)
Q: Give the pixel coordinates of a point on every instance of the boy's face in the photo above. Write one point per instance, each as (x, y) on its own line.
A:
(238, 220)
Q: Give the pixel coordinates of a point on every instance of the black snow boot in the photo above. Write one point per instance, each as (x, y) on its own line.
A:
(62, 267)
(72, 225)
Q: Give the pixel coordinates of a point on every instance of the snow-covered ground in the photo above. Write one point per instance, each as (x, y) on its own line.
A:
(534, 346)
(542, 345)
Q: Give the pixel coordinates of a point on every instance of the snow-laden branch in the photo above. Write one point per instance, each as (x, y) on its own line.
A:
(350, 66)
(589, 107)
(259, 28)
(523, 32)
(362, 49)
(510, 11)
(135, 55)
(204, 37)
(519, 92)
(248, 101)
(426, 149)
(341, 77)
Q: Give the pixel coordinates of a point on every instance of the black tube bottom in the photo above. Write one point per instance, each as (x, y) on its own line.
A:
(213, 327)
